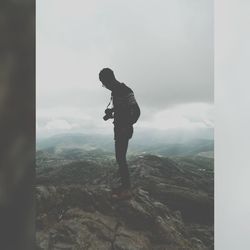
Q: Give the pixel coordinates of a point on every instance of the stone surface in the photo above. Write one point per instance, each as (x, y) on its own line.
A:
(164, 213)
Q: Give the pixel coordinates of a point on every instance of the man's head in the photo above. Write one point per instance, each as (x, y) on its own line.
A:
(107, 78)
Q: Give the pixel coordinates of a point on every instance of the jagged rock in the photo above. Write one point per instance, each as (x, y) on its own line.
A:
(167, 233)
(170, 209)
(130, 240)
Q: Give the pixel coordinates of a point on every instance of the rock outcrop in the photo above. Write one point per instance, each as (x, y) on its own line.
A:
(171, 208)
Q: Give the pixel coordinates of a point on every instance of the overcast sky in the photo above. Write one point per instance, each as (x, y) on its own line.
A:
(162, 49)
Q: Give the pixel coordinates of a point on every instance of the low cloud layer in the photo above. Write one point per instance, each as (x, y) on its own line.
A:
(182, 117)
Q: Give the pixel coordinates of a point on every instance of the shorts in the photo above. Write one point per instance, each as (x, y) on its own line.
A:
(121, 133)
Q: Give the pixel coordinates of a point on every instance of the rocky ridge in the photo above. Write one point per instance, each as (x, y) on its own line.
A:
(172, 208)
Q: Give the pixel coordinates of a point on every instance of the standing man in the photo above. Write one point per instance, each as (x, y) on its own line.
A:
(125, 112)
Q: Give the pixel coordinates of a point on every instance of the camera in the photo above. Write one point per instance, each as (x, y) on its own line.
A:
(108, 114)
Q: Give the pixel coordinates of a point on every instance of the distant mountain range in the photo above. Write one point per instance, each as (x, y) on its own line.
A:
(147, 144)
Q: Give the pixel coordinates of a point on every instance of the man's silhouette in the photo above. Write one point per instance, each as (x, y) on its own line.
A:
(125, 112)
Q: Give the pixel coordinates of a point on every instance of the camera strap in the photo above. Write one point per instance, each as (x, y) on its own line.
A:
(111, 99)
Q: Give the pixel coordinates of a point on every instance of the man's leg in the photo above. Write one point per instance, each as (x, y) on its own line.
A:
(121, 146)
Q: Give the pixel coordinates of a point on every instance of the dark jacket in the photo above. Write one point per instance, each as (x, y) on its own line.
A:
(126, 109)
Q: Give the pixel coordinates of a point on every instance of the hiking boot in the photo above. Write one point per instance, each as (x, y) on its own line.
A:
(122, 195)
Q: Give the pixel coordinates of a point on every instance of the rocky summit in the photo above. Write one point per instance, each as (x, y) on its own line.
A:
(171, 208)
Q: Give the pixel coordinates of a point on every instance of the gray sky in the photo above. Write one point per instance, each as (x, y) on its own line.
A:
(162, 49)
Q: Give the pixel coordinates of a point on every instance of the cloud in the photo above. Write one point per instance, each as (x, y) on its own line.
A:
(181, 117)
(50, 127)
(188, 116)
(60, 125)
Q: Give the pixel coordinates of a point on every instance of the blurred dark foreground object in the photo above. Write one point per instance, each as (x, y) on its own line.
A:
(17, 124)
